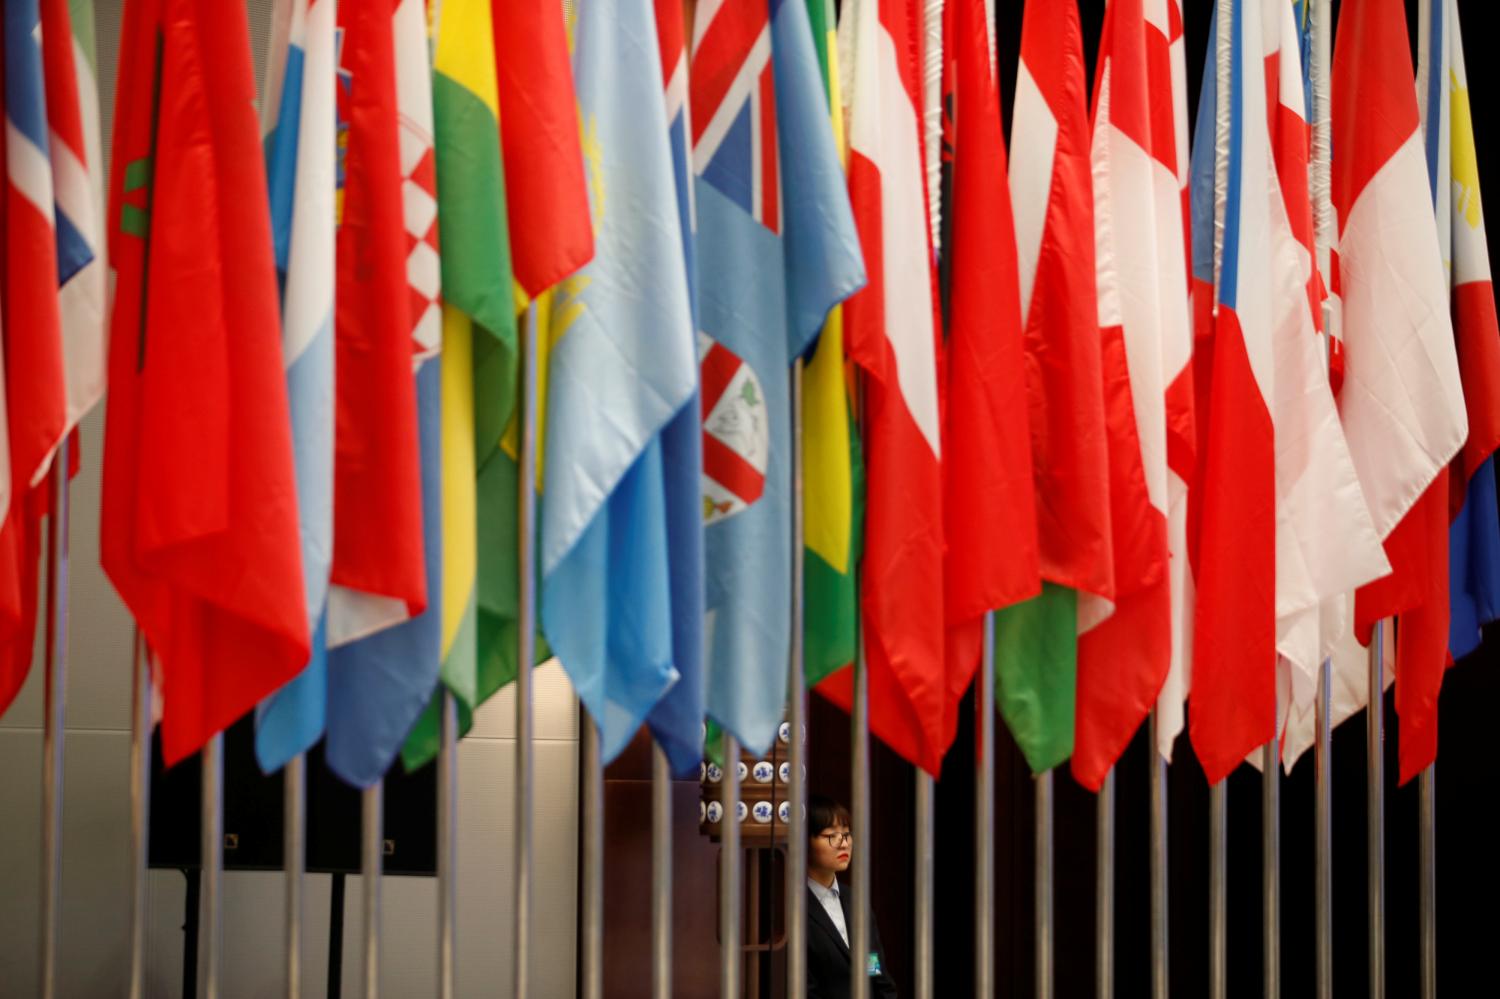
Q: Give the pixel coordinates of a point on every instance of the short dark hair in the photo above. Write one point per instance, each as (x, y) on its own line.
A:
(825, 813)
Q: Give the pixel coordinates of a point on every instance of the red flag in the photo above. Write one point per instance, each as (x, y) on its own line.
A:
(1123, 660)
(892, 337)
(1234, 653)
(377, 489)
(1051, 186)
(989, 507)
(551, 231)
(35, 392)
(199, 526)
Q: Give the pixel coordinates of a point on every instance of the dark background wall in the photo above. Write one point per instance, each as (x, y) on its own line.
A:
(1468, 861)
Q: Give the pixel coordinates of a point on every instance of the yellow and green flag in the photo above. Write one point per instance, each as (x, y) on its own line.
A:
(479, 340)
(831, 463)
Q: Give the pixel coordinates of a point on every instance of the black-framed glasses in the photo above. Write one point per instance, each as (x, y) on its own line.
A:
(837, 839)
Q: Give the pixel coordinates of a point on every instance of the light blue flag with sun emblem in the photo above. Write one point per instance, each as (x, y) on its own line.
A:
(620, 367)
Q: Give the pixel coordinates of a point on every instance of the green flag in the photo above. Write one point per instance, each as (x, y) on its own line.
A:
(1036, 659)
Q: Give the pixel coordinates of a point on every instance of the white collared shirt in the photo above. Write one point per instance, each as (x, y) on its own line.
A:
(829, 899)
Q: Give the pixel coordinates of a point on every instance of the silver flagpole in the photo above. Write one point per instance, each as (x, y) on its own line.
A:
(923, 956)
(984, 819)
(1104, 890)
(1218, 907)
(526, 651)
(211, 855)
(1322, 34)
(1160, 969)
(1045, 985)
(1375, 812)
(140, 810)
(447, 845)
(1323, 892)
(859, 870)
(591, 946)
(932, 140)
(1218, 807)
(729, 875)
(1270, 825)
(294, 861)
(661, 874)
(796, 696)
(372, 841)
(53, 727)
(1427, 784)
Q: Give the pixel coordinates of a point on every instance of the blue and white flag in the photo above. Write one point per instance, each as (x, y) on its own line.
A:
(301, 150)
(382, 682)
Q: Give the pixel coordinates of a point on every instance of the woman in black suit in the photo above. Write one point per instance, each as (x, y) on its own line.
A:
(829, 913)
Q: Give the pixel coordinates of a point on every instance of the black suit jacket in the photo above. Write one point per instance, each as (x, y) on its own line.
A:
(828, 955)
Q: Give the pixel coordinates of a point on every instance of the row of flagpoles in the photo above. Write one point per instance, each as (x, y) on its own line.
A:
(264, 572)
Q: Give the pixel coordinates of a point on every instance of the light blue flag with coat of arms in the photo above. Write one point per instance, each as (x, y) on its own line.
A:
(776, 249)
(620, 367)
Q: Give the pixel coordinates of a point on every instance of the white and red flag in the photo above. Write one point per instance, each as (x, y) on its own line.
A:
(1401, 400)
(892, 337)
(1124, 660)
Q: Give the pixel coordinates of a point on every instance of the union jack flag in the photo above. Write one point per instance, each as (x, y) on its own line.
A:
(733, 96)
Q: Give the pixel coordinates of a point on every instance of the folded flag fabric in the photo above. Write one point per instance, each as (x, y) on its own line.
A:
(1448, 133)
(300, 160)
(776, 249)
(478, 361)
(70, 63)
(676, 720)
(832, 469)
(989, 509)
(1036, 642)
(1124, 659)
(1402, 398)
(621, 357)
(379, 573)
(892, 337)
(48, 221)
(199, 526)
